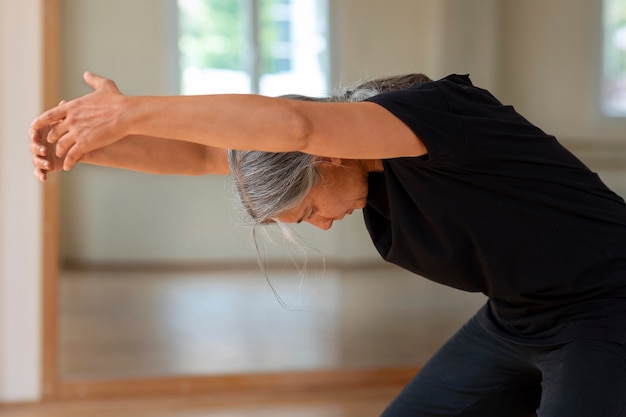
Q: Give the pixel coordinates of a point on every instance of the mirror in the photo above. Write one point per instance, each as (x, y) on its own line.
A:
(159, 279)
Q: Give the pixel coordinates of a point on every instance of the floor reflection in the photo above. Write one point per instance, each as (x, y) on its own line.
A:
(143, 324)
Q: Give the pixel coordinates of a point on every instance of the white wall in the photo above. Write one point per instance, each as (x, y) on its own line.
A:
(20, 202)
(434, 37)
(550, 67)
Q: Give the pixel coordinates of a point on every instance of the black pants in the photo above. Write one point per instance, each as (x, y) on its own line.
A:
(479, 374)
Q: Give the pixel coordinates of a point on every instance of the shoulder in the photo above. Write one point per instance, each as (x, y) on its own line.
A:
(445, 94)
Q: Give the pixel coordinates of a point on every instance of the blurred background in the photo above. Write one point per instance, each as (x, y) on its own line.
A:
(114, 282)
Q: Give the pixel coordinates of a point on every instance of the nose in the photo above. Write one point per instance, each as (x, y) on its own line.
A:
(321, 222)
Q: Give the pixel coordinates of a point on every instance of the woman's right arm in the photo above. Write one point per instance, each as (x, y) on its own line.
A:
(139, 153)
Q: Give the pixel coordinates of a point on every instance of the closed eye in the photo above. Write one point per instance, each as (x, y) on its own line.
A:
(308, 215)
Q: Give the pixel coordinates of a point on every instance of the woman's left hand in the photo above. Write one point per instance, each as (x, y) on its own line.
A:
(44, 157)
(84, 124)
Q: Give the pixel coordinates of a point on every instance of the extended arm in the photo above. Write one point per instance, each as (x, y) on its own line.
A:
(139, 153)
(161, 156)
(344, 130)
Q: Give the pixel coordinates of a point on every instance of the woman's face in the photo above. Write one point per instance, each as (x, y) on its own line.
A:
(341, 190)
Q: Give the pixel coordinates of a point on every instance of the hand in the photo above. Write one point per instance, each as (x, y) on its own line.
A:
(82, 125)
(44, 155)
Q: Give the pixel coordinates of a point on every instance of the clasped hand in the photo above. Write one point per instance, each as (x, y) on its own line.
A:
(63, 135)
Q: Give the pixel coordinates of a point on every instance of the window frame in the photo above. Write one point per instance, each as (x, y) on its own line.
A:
(605, 108)
(253, 60)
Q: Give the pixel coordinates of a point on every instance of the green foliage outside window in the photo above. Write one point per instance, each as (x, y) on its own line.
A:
(213, 34)
(615, 38)
(614, 58)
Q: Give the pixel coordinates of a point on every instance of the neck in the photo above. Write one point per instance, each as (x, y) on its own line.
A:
(372, 165)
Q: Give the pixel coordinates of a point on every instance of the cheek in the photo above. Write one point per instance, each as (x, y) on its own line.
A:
(359, 191)
(329, 201)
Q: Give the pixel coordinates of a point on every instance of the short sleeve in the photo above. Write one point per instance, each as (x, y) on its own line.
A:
(425, 109)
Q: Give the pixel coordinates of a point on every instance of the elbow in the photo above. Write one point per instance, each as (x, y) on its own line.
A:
(300, 132)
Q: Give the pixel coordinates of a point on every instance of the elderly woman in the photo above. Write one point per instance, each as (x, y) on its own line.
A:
(454, 186)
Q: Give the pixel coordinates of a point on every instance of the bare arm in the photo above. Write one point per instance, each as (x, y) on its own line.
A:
(139, 153)
(160, 156)
(344, 130)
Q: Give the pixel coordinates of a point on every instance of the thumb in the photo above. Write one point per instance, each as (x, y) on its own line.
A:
(99, 83)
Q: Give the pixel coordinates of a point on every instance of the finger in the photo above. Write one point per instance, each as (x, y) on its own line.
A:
(40, 175)
(99, 83)
(37, 135)
(34, 134)
(63, 145)
(51, 116)
(41, 163)
(56, 132)
(73, 156)
(36, 148)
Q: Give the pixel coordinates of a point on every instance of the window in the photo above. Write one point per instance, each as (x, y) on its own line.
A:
(614, 58)
(270, 47)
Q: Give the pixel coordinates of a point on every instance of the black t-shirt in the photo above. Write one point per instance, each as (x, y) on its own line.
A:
(498, 206)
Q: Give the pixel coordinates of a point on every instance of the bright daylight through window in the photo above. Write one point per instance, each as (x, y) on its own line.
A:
(270, 47)
(614, 58)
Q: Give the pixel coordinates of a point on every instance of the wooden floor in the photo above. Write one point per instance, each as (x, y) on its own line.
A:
(139, 324)
(132, 325)
(360, 403)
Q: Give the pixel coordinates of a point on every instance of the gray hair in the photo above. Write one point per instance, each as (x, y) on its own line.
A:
(268, 184)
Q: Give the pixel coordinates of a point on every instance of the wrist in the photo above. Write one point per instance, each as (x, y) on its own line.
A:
(128, 119)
